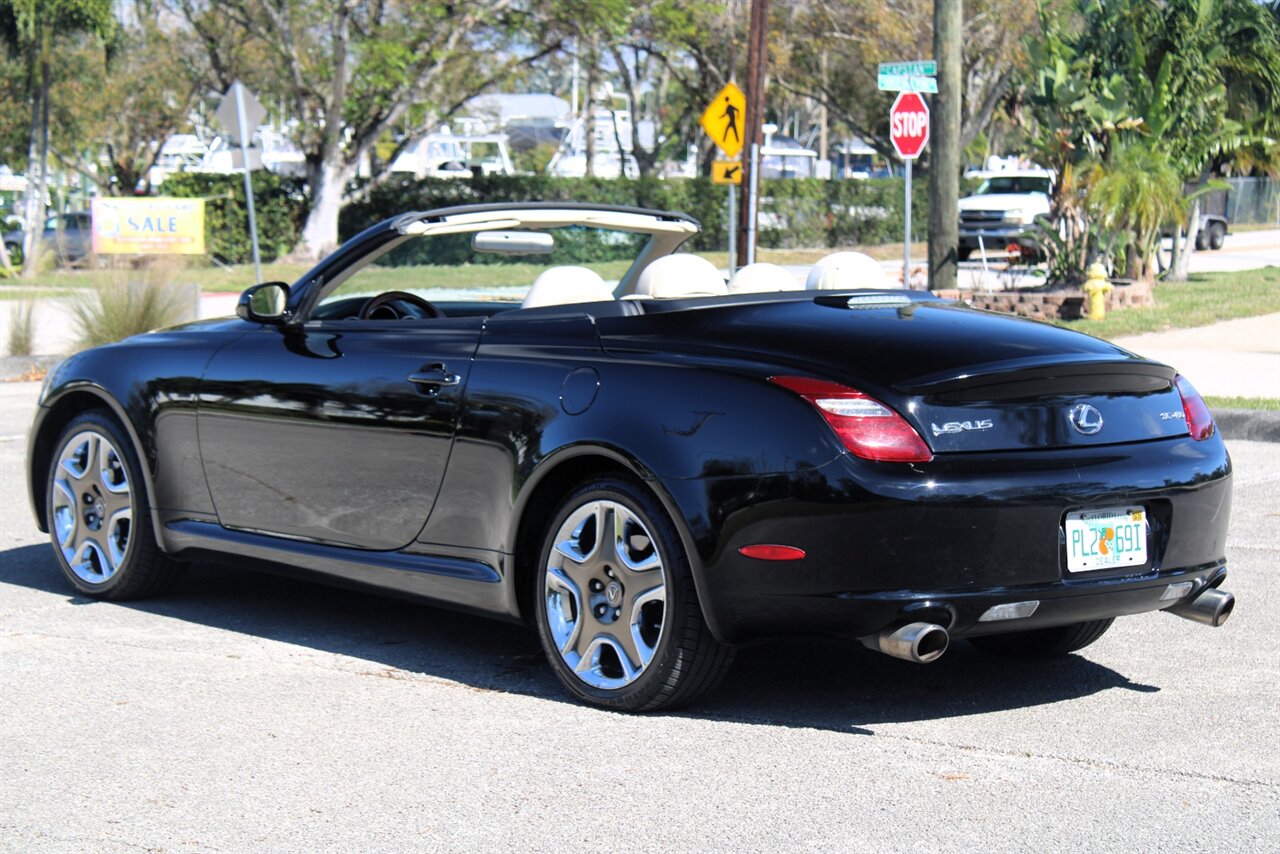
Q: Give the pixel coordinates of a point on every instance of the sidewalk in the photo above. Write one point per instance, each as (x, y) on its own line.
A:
(1234, 358)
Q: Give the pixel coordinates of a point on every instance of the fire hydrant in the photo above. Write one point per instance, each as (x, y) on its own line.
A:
(1096, 289)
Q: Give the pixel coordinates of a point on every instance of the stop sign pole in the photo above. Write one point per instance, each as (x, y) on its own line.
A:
(909, 132)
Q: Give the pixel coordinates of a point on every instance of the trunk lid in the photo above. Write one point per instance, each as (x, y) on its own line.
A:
(967, 380)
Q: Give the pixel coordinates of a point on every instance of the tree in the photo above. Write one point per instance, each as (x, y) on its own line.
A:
(859, 36)
(33, 29)
(349, 73)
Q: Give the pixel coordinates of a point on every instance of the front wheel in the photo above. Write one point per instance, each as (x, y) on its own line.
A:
(99, 515)
(617, 612)
(1217, 235)
(1044, 643)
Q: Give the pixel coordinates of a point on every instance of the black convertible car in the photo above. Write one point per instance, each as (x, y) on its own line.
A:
(651, 472)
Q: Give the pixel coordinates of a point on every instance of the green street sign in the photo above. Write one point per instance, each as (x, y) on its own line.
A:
(917, 68)
(906, 83)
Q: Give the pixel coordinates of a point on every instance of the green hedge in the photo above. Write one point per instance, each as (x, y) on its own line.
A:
(795, 213)
(279, 205)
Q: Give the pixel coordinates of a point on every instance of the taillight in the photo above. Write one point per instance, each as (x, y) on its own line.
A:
(867, 427)
(1199, 418)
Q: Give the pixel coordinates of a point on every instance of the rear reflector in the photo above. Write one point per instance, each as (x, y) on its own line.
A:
(867, 427)
(771, 552)
(1009, 611)
(1199, 419)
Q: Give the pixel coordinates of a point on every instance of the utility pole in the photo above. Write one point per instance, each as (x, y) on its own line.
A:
(757, 60)
(944, 158)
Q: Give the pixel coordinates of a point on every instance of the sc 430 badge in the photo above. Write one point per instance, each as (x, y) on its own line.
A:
(961, 426)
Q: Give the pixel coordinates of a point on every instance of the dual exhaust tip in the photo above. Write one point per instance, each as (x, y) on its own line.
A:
(926, 642)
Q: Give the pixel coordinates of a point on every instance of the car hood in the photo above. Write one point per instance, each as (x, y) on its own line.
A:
(1005, 202)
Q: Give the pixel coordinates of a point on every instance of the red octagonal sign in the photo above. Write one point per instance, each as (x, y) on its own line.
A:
(909, 124)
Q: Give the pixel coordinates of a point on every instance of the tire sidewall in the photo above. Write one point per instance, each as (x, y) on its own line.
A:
(140, 524)
(675, 566)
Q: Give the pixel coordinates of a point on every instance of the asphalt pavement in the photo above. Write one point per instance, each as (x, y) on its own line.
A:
(245, 712)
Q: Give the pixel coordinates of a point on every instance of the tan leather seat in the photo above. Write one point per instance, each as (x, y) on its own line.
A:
(565, 286)
(763, 278)
(847, 271)
(677, 276)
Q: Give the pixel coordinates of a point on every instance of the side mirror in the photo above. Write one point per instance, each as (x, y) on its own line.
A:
(265, 303)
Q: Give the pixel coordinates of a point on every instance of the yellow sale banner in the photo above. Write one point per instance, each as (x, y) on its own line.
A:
(154, 225)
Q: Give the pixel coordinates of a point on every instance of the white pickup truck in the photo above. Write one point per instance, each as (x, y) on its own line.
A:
(1004, 211)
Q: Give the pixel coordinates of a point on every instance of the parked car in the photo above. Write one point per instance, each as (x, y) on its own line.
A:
(650, 472)
(70, 236)
(1003, 211)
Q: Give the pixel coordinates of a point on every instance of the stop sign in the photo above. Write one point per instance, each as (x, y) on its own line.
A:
(909, 124)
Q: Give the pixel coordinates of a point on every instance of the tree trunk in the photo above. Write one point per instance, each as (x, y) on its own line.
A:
(589, 112)
(944, 158)
(1182, 269)
(33, 210)
(320, 233)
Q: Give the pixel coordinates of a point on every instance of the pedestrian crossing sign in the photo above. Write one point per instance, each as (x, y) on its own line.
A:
(724, 118)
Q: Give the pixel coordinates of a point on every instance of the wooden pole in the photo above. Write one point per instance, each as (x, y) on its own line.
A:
(757, 62)
(944, 145)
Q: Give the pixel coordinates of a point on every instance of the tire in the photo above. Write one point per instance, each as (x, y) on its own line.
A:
(100, 515)
(1044, 643)
(1217, 235)
(963, 253)
(664, 655)
(1202, 240)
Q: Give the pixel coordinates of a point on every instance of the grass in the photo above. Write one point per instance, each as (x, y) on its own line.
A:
(1271, 404)
(22, 329)
(1207, 298)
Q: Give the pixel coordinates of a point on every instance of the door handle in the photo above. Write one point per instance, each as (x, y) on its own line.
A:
(434, 375)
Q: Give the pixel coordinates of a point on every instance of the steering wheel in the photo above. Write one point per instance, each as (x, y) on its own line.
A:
(384, 300)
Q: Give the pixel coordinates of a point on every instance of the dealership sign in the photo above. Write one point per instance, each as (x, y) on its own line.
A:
(154, 225)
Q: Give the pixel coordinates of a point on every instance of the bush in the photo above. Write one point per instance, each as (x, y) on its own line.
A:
(22, 328)
(130, 303)
(794, 213)
(279, 205)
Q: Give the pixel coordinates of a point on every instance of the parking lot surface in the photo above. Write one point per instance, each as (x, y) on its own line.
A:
(245, 712)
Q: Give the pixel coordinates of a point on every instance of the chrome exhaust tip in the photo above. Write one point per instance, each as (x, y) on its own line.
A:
(918, 642)
(1212, 607)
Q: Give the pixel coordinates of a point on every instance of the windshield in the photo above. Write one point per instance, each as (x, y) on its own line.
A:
(1014, 184)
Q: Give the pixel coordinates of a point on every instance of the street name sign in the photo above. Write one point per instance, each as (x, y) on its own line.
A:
(916, 68)
(906, 83)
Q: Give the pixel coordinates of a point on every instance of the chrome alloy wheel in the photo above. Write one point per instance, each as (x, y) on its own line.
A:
(92, 506)
(606, 594)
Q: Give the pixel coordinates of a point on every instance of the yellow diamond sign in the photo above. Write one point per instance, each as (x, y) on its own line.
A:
(723, 119)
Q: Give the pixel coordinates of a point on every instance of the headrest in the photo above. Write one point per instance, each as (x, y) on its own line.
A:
(565, 285)
(676, 276)
(847, 271)
(763, 278)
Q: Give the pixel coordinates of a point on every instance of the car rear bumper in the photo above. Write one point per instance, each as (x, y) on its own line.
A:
(952, 537)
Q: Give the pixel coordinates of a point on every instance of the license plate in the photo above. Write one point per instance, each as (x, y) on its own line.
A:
(1106, 538)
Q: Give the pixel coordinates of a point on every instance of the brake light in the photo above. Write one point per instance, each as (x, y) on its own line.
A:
(867, 427)
(1199, 418)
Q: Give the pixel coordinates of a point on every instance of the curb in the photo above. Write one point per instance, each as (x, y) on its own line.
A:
(15, 367)
(1248, 425)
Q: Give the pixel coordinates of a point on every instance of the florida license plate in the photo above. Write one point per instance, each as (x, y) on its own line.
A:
(1106, 538)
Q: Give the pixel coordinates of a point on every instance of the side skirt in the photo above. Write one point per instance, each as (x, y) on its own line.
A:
(463, 583)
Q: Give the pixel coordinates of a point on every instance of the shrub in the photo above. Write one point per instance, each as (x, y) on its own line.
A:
(279, 205)
(22, 328)
(130, 303)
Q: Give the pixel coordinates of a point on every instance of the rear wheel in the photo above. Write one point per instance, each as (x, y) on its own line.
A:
(1217, 235)
(1202, 240)
(617, 612)
(1044, 643)
(99, 514)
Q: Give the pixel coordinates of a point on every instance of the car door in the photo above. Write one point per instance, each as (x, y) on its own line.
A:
(335, 431)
